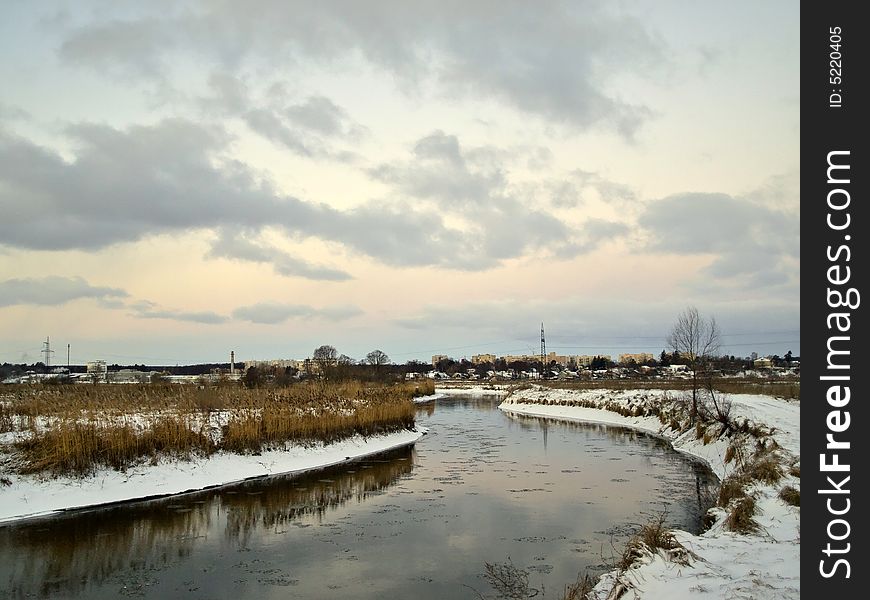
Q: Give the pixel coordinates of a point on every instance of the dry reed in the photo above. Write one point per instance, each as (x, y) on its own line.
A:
(77, 429)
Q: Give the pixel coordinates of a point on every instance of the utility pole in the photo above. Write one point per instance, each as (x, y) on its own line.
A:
(67, 358)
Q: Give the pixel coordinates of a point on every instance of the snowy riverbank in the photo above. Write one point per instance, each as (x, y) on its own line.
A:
(473, 390)
(764, 565)
(429, 398)
(32, 496)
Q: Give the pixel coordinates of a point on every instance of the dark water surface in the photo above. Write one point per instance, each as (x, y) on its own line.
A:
(555, 498)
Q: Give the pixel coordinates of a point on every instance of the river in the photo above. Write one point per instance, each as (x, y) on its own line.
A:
(550, 497)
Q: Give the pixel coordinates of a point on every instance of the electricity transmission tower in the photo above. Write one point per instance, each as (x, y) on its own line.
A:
(47, 351)
(543, 352)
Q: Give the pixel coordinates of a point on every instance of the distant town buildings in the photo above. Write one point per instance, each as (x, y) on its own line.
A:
(563, 360)
(482, 359)
(97, 368)
(638, 358)
(437, 358)
(282, 363)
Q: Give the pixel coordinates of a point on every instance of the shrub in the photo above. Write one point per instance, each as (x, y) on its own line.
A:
(765, 468)
(732, 487)
(740, 518)
(580, 589)
(733, 451)
(790, 495)
(653, 536)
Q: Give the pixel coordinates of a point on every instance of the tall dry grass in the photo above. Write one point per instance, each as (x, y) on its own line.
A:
(77, 429)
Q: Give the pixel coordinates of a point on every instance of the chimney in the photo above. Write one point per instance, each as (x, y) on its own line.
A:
(232, 362)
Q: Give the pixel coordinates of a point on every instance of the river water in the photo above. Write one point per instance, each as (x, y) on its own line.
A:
(549, 497)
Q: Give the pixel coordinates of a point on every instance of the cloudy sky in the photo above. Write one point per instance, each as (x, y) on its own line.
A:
(182, 179)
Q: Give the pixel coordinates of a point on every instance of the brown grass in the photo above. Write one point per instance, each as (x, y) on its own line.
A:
(71, 446)
(740, 518)
(765, 468)
(76, 429)
(580, 589)
(6, 420)
(733, 487)
(425, 387)
(653, 536)
(733, 451)
(790, 495)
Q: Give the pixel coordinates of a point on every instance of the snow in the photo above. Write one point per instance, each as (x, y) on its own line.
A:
(31, 496)
(473, 390)
(763, 565)
(429, 398)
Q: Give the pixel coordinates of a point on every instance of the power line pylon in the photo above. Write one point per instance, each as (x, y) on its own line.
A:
(543, 352)
(47, 351)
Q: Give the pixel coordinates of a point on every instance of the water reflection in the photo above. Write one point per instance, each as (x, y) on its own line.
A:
(84, 549)
(482, 486)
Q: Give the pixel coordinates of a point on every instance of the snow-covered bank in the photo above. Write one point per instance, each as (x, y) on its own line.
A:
(764, 565)
(31, 496)
(472, 390)
(429, 398)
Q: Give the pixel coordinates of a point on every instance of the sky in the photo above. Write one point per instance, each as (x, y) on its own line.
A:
(183, 179)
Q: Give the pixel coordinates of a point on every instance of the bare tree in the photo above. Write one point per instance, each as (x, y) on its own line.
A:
(377, 358)
(697, 339)
(325, 358)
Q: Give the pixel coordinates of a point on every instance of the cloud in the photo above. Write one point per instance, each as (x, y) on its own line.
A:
(273, 313)
(9, 112)
(465, 183)
(144, 309)
(552, 59)
(322, 116)
(308, 128)
(753, 245)
(229, 94)
(438, 171)
(609, 191)
(124, 185)
(174, 176)
(240, 247)
(205, 317)
(121, 186)
(269, 125)
(53, 291)
(126, 47)
(591, 235)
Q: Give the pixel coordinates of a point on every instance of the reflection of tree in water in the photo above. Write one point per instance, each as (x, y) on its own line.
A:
(284, 501)
(618, 434)
(69, 554)
(484, 402)
(428, 408)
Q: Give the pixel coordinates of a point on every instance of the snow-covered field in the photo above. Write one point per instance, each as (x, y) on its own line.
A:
(31, 496)
(759, 566)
